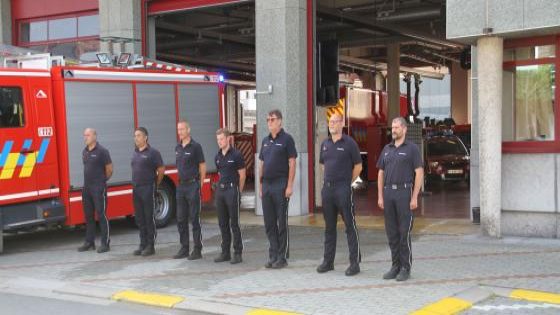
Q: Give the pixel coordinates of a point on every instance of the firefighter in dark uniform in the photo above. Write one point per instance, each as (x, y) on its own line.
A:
(98, 168)
(399, 181)
(192, 171)
(147, 173)
(231, 168)
(342, 163)
(277, 169)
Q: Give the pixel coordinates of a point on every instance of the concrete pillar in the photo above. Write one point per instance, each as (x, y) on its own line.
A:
(5, 22)
(120, 26)
(474, 162)
(151, 37)
(489, 61)
(281, 56)
(459, 94)
(393, 81)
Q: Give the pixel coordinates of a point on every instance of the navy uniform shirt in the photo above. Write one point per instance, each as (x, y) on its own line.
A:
(144, 166)
(229, 164)
(188, 159)
(399, 163)
(275, 153)
(339, 158)
(94, 165)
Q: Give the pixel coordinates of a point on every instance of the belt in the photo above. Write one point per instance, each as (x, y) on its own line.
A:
(398, 186)
(337, 183)
(227, 185)
(188, 181)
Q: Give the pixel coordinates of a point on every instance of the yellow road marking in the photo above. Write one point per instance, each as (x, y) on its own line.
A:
(446, 306)
(154, 299)
(263, 311)
(536, 296)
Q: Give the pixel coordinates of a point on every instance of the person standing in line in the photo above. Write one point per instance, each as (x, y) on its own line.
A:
(192, 171)
(277, 169)
(147, 174)
(231, 168)
(399, 180)
(98, 168)
(342, 163)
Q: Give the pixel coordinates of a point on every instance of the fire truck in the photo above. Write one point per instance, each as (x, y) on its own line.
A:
(43, 113)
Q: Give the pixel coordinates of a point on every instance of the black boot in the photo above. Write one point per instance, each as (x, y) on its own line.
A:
(86, 246)
(149, 251)
(236, 259)
(324, 267)
(182, 253)
(223, 257)
(195, 254)
(353, 269)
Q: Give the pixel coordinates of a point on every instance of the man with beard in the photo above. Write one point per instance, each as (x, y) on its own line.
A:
(398, 183)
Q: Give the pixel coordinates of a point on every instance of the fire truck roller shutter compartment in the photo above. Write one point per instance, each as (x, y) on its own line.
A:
(155, 104)
(107, 107)
(197, 104)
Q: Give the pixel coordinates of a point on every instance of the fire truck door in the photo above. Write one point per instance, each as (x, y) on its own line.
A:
(18, 152)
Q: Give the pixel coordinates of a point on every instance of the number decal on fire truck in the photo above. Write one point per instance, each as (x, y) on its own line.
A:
(45, 132)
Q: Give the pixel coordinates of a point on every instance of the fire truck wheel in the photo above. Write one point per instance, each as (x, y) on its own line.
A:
(165, 204)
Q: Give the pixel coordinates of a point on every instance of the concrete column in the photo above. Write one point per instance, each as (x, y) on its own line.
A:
(474, 162)
(151, 37)
(393, 81)
(489, 65)
(5, 22)
(281, 56)
(120, 26)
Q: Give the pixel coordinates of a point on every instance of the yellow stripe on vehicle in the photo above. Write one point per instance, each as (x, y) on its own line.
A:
(264, 311)
(10, 166)
(28, 165)
(154, 299)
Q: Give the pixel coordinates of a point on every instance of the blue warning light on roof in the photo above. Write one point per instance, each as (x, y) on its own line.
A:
(221, 78)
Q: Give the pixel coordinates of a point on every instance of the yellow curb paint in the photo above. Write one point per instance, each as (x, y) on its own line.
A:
(536, 296)
(446, 306)
(264, 311)
(148, 298)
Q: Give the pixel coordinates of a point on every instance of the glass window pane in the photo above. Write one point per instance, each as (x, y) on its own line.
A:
(62, 28)
(11, 107)
(33, 31)
(530, 53)
(528, 111)
(88, 25)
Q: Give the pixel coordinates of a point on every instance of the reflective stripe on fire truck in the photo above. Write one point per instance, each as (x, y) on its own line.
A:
(10, 160)
(30, 194)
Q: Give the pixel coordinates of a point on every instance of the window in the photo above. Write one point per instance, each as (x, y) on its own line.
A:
(57, 29)
(11, 107)
(529, 99)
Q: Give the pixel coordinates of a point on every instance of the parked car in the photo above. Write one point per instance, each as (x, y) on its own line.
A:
(446, 159)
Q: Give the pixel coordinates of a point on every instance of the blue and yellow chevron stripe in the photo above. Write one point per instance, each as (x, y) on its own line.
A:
(9, 161)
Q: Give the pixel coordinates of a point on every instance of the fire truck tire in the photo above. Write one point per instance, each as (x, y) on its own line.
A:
(165, 204)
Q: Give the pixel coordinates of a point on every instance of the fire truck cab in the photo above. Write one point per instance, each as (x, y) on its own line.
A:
(43, 113)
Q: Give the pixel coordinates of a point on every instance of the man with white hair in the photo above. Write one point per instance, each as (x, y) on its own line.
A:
(98, 168)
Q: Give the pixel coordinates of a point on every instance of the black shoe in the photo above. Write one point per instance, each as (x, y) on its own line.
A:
(279, 264)
(324, 267)
(138, 252)
(236, 259)
(86, 246)
(195, 254)
(148, 251)
(223, 257)
(353, 269)
(182, 253)
(391, 274)
(103, 248)
(269, 263)
(403, 275)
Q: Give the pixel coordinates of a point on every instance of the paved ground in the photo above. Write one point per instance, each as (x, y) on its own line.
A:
(445, 262)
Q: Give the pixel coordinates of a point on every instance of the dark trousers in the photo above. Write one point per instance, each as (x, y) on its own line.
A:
(338, 198)
(275, 211)
(188, 209)
(228, 201)
(398, 225)
(144, 204)
(94, 201)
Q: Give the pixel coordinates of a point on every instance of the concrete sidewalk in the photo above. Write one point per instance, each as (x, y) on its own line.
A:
(449, 257)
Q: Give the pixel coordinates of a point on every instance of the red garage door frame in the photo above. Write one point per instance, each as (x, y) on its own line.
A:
(152, 7)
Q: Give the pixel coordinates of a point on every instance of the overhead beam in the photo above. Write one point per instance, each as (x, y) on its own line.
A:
(185, 29)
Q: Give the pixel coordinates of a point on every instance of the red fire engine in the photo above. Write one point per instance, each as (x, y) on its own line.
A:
(42, 117)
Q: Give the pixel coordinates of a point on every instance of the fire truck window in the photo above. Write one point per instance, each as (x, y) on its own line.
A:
(11, 107)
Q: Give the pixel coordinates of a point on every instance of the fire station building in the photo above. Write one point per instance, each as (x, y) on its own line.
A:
(497, 60)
